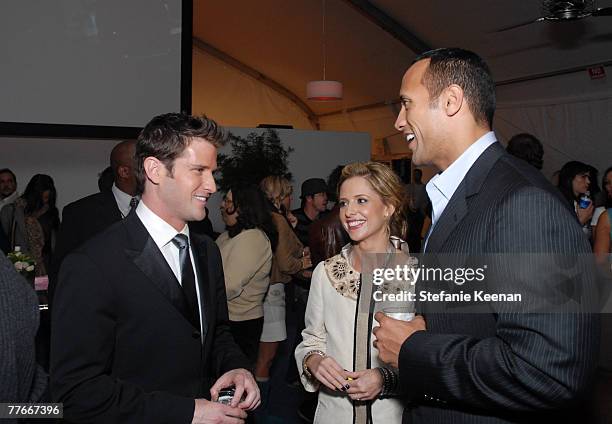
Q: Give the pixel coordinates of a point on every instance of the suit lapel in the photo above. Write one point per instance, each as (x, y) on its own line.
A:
(457, 207)
(108, 205)
(148, 258)
(201, 264)
(455, 211)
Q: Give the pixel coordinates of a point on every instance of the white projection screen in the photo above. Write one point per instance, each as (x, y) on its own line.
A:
(92, 68)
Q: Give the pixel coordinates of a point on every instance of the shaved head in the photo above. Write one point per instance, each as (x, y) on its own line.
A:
(122, 162)
(122, 154)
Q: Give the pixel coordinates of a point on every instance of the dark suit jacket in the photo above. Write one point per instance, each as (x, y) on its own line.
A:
(4, 243)
(86, 217)
(122, 349)
(501, 365)
(81, 220)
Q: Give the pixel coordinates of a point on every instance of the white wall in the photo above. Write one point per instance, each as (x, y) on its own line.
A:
(73, 164)
(571, 114)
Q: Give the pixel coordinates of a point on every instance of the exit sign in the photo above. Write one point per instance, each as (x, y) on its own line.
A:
(597, 72)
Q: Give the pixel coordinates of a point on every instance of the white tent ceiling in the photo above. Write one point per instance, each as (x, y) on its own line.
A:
(276, 45)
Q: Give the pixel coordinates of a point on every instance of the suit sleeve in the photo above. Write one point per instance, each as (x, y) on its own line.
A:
(70, 233)
(82, 341)
(226, 355)
(66, 242)
(6, 216)
(535, 361)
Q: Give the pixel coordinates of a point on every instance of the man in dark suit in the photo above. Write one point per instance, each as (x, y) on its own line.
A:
(140, 323)
(503, 364)
(86, 217)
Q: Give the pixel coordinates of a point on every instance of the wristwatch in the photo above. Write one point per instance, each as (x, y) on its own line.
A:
(305, 369)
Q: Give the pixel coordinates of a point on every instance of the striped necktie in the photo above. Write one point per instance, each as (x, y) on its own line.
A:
(181, 241)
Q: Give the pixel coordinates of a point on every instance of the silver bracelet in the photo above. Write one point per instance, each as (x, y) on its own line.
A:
(305, 369)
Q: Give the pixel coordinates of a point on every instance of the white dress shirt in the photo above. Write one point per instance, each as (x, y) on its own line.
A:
(162, 234)
(123, 201)
(443, 185)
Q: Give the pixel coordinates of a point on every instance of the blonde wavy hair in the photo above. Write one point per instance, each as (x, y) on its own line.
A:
(276, 188)
(387, 185)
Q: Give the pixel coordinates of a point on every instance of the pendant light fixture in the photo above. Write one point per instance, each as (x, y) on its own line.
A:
(324, 90)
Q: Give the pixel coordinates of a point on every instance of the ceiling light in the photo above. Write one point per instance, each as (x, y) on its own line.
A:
(324, 90)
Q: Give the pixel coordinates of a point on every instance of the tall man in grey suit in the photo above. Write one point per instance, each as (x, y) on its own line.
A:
(503, 364)
(140, 330)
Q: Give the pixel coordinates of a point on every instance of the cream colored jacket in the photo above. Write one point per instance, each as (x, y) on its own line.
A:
(247, 260)
(330, 327)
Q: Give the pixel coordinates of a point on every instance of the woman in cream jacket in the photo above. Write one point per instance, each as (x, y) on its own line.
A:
(336, 355)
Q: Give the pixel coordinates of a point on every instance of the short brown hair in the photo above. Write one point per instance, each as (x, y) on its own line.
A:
(386, 184)
(166, 136)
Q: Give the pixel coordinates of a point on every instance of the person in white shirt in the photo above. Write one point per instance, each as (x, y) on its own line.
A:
(483, 362)
(140, 324)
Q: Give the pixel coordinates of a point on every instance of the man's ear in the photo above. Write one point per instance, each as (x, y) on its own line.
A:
(153, 169)
(123, 171)
(452, 99)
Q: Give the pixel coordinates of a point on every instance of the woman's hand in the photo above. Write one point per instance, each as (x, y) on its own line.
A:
(328, 372)
(306, 261)
(585, 215)
(291, 218)
(365, 385)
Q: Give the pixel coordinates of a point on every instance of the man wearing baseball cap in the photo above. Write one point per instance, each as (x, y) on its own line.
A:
(314, 202)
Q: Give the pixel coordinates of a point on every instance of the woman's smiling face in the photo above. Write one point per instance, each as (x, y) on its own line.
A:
(362, 211)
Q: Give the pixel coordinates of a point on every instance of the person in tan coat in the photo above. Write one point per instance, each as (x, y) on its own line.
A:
(290, 257)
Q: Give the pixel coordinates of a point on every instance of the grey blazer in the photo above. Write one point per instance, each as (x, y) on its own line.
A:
(21, 379)
(12, 216)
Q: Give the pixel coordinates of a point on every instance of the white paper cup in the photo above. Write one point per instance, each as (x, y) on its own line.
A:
(402, 313)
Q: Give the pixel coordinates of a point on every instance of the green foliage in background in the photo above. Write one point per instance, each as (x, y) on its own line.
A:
(253, 158)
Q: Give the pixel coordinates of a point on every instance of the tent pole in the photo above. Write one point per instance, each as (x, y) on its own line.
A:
(552, 74)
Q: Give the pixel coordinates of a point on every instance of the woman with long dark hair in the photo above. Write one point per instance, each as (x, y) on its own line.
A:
(32, 221)
(246, 249)
(574, 181)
